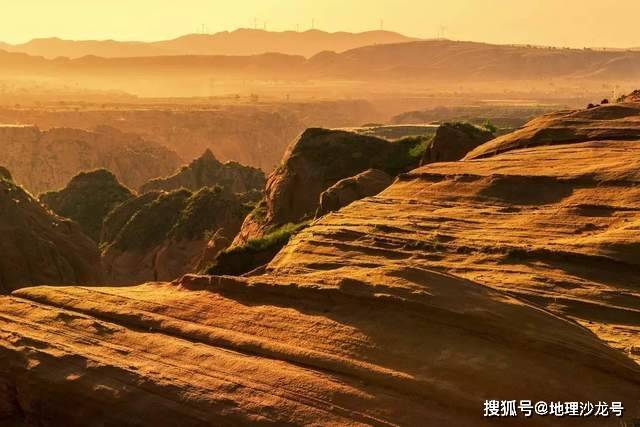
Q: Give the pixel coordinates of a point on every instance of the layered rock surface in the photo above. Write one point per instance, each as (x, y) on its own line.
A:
(207, 171)
(453, 286)
(38, 247)
(46, 160)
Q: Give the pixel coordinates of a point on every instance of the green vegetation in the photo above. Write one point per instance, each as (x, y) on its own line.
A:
(203, 210)
(88, 199)
(178, 215)
(490, 127)
(278, 237)
(405, 154)
(255, 252)
(152, 223)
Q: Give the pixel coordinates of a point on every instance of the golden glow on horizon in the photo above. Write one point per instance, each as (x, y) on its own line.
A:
(575, 23)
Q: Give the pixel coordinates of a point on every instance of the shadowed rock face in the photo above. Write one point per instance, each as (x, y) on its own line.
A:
(87, 199)
(315, 162)
(348, 190)
(45, 161)
(161, 236)
(411, 307)
(207, 171)
(453, 141)
(38, 247)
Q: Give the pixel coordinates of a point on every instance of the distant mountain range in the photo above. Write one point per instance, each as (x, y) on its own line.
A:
(431, 60)
(238, 42)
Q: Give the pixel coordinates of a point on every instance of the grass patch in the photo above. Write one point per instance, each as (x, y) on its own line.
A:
(278, 237)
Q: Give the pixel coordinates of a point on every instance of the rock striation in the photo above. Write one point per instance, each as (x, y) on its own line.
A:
(38, 247)
(207, 171)
(88, 199)
(512, 276)
(47, 160)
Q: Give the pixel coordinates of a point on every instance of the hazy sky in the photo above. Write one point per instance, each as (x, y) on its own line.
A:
(575, 23)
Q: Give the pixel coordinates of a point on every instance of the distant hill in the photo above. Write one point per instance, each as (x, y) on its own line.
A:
(238, 42)
(430, 60)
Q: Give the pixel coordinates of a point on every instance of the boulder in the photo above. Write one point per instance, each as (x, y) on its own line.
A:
(348, 190)
(453, 141)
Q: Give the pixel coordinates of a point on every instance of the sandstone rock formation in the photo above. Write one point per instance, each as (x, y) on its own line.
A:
(607, 122)
(161, 236)
(87, 199)
(513, 276)
(315, 162)
(207, 171)
(46, 160)
(37, 247)
(348, 190)
(453, 141)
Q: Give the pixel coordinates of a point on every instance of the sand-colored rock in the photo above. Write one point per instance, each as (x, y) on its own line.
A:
(509, 277)
(316, 161)
(207, 171)
(163, 235)
(87, 199)
(37, 247)
(47, 160)
(348, 190)
(619, 121)
(453, 141)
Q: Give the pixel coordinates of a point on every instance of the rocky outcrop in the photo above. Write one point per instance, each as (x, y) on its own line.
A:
(38, 247)
(315, 162)
(87, 199)
(619, 121)
(161, 236)
(453, 141)
(348, 190)
(46, 160)
(207, 171)
(508, 277)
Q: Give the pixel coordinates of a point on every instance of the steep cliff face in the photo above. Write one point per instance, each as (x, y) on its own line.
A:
(453, 141)
(87, 199)
(163, 235)
(45, 161)
(207, 171)
(38, 247)
(315, 162)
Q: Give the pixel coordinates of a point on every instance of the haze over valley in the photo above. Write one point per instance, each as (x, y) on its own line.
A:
(319, 213)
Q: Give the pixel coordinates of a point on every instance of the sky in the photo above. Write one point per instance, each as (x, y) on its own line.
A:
(572, 23)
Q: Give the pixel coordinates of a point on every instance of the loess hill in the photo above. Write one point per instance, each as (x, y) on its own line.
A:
(509, 276)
